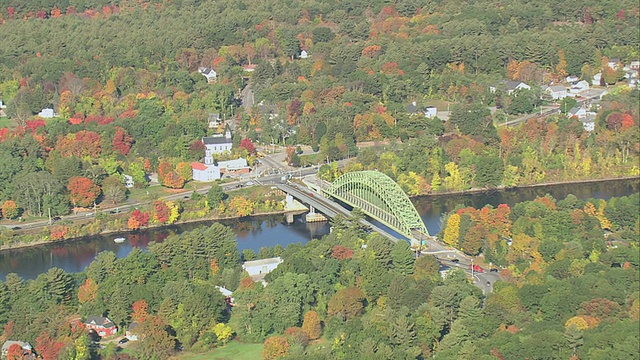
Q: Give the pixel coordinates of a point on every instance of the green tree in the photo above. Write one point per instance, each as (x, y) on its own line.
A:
(402, 258)
(215, 195)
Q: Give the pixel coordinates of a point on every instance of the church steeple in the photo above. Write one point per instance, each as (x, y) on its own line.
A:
(208, 158)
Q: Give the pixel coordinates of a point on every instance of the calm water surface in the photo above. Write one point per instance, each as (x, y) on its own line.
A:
(74, 256)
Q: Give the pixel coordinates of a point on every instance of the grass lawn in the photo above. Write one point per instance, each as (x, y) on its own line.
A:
(6, 123)
(233, 351)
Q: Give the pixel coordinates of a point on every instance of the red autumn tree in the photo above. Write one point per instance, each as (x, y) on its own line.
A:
(139, 308)
(87, 291)
(137, 219)
(47, 347)
(10, 209)
(15, 352)
(340, 252)
(162, 212)
(247, 144)
(83, 143)
(58, 232)
(627, 122)
(122, 141)
(82, 191)
(173, 180)
(196, 150)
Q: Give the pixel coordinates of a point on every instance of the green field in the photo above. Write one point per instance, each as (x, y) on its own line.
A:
(5, 122)
(233, 351)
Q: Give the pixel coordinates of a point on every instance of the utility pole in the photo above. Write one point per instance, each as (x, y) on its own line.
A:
(50, 222)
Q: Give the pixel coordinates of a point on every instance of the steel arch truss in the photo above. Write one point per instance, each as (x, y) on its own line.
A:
(379, 197)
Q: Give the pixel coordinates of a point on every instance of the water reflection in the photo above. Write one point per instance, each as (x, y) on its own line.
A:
(254, 233)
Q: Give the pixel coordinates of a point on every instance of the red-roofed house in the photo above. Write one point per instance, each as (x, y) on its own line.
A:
(102, 325)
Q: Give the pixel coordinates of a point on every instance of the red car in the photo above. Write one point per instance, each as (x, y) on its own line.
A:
(476, 268)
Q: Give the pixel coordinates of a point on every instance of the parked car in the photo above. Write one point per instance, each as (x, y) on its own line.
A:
(123, 341)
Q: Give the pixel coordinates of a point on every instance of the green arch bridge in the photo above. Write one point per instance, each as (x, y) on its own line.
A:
(382, 199)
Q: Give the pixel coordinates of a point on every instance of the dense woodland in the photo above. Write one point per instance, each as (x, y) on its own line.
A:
(123, 78)
(568, 292)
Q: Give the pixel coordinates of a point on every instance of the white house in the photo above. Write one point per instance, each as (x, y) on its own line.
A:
(257, 269)
(132, 333)
(218, 143)
(556, 92)
(430, 112)
(509, 86)
(596, 79)
(572, 78)
(209, 73)
(579, 87)
(47, 113)
(214, 120)
(578, 111)
(2, 105)
(303, 54)
(128, 181)
(26, 347)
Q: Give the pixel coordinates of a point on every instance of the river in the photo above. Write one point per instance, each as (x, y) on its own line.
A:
(253, 233)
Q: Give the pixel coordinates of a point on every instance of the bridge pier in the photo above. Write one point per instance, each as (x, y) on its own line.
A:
(289, 218)
(313, 216)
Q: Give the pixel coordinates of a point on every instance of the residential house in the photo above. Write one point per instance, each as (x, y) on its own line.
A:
(303, 54)
(270, 110)
(571, 79)
(101, 325)
(577, 111)
(431, 112)
(257, 269)
(634, 65)
(579, 87)
(214, 120)
(614, 64)
(209, 73)
(128, 181)
(228, 295)
(131, 332)
(2, 105)
(218, 143)
(584, 115)
(597, 79)
(556, 92)
(509, 87)
(414, 109)
(47, 113)
(27, 350)
(249, 68)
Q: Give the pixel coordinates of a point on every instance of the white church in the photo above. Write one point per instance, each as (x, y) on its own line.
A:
(210, 170)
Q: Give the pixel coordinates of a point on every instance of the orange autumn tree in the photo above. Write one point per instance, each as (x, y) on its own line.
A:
(139, 310)
(82, 191)
(173, 180)
(275, 347)
(10, 209)
(137, 219)
(87, 291)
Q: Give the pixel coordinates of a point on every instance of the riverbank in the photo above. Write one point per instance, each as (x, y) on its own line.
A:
(531, 186)
(115, 232)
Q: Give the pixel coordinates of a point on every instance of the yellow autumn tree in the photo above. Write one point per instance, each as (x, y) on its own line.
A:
(452, 231)
(578, 322)
(241, 206)
(454, 180)
(561, 67)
